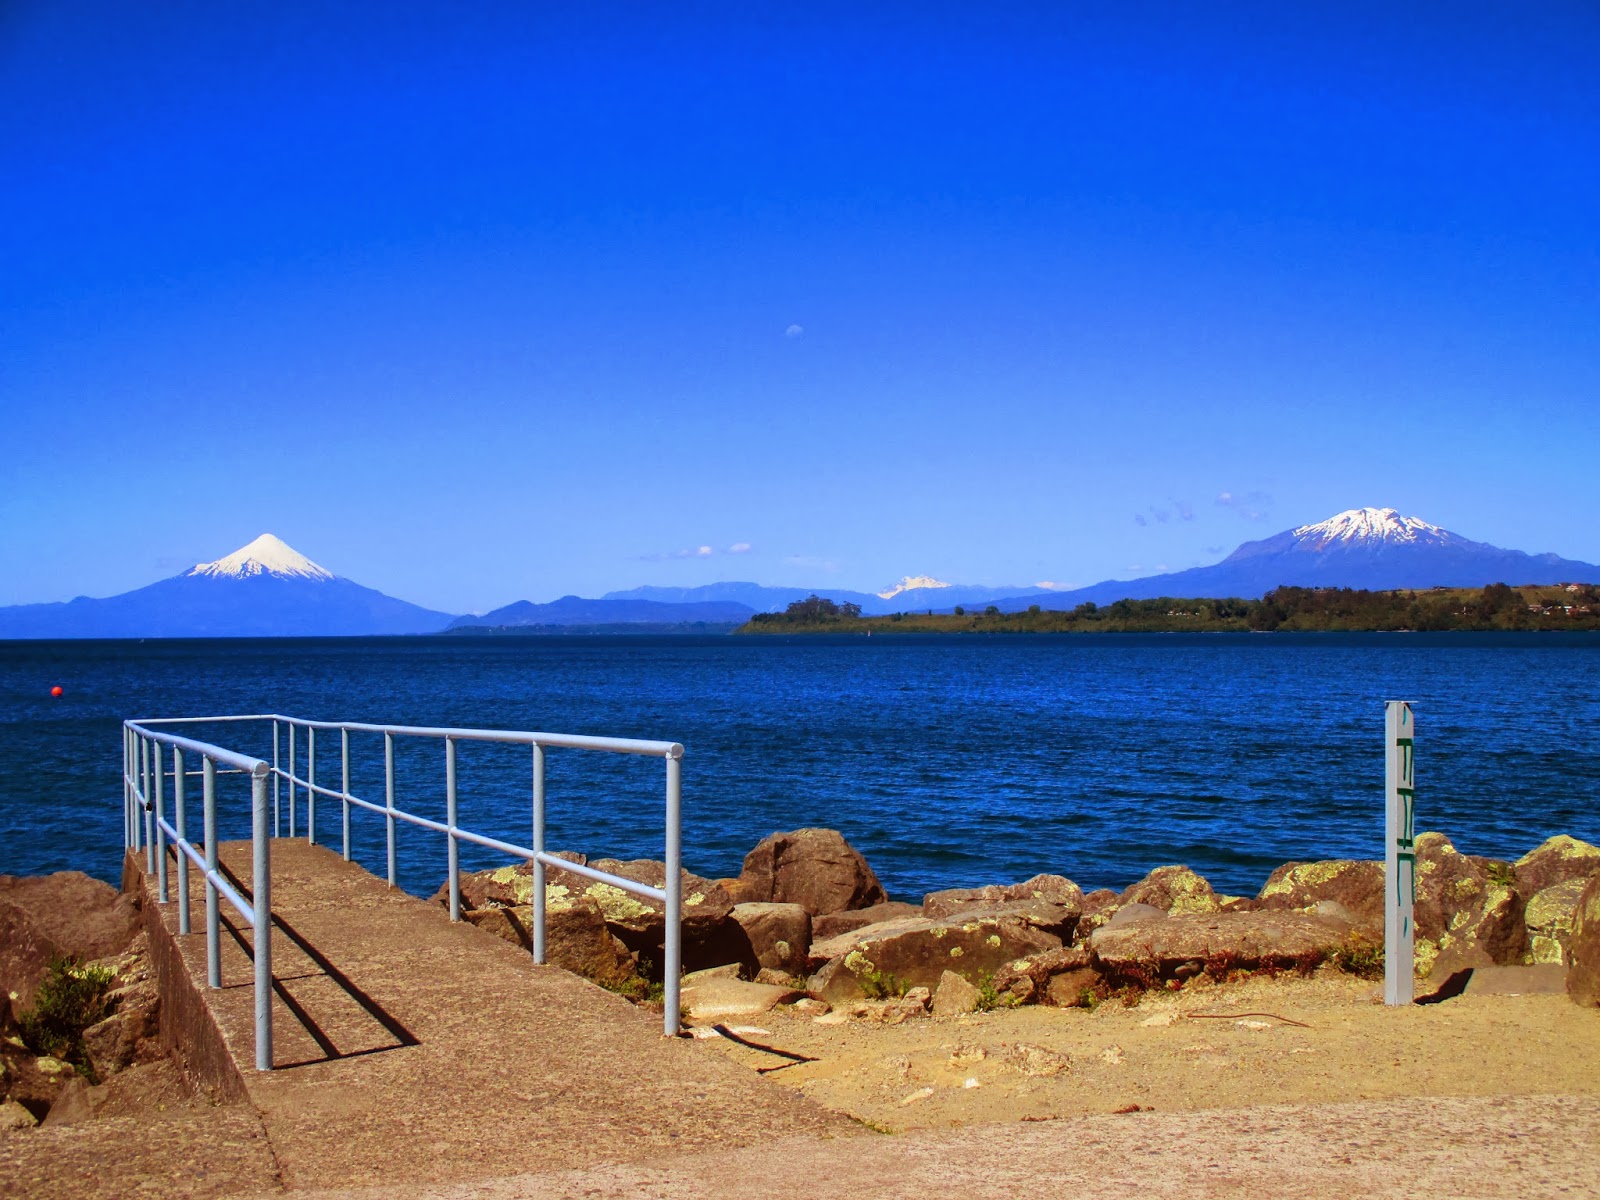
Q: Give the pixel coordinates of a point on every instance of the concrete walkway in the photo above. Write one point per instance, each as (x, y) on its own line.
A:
(412, 1049)
(1528, 1147)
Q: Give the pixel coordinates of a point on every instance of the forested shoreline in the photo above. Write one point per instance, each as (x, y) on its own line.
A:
(1496, 608)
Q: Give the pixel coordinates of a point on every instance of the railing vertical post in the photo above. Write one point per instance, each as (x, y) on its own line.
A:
(291, 778)
(450, 820)
(538, 848)
(179, 822)
(161, 834)
(261, 886)
(674, 932)
(388, 801)
(208, 807)
(277, 822)
(344, 786)
(144, 802)
(127, 791)
(311, 784)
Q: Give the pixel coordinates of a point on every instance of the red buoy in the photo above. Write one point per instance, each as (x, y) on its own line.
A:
(56, 691)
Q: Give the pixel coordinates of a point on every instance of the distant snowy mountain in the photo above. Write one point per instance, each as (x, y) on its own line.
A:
(1373, 548)
(914, 593)
(911, 583)
(265, 589)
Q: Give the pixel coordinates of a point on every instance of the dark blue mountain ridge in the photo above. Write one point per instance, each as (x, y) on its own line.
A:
(1372, 548)
(265, 589)
(575, 610)
(912, 594)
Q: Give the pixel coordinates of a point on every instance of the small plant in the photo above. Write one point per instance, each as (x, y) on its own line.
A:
(880, 985)
(1359, 955)
(70, 999)
(991, 997)
(1089, 998)
(1502, 874)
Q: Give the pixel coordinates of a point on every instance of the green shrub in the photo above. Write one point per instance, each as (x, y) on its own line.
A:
(880, 985)
(70, 999)
(1359, 955)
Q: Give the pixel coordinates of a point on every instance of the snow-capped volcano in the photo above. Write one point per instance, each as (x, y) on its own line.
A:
(1370, 525)
(911, 583)
(265, 589)
(267, 555)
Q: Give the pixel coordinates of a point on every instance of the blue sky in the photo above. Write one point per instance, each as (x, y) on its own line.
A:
(476, 303)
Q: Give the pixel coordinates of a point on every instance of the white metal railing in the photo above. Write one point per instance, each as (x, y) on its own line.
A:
(143, 778)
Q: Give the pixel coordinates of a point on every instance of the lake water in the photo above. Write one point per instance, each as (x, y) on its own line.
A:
(948, 761)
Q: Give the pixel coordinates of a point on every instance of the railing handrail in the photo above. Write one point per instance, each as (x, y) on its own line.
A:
(559, 741)
(142, 760)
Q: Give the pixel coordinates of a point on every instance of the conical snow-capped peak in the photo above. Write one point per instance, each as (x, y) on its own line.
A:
(911, 583)
(267, 555)
(1357, 525)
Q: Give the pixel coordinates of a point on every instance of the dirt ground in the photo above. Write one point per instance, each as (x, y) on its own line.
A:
(1289, 1040)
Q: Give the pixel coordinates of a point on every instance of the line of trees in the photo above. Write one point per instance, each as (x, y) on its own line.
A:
(1496, 607)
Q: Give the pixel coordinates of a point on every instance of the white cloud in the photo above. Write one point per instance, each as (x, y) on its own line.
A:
(740, 548)
(794, 331)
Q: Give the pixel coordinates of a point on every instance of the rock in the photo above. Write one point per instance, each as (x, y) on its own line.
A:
(954, 996)
(1079, 988)
(779, 934)
(503, 887)
(915, 1003)
(1173, 890)
(1549, 920)
(916, 951)
(74, 1105)
(14, 1116)
(1560, 859)
(1035, 1061)
(1025, 980)
(1129, 913)
(65, 914)
(719, 999)
(1354, 884)
(1051, 889)
(726, 971)
(810, 1006)
(577, 938)
(33, 1082)
(710, 936)
(1148, 951)
(814, 868)
(1583, 950)
(831, 925)
(1468, 912)
(1098, 908)
(112, 1045)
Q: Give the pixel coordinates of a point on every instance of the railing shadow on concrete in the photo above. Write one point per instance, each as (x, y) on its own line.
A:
(147, 743)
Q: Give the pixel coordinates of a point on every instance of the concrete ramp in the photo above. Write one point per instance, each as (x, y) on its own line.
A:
(414, 1050)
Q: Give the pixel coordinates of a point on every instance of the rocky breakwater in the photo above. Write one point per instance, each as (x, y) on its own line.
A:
(808, 921)
(77, 1004)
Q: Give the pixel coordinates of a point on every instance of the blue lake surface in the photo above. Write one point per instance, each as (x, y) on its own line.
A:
(948, 761)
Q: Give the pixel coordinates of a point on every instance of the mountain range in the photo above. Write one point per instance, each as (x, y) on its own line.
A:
(268, 589)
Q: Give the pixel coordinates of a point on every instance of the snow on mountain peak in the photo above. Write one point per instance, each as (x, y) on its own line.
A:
(1368, 525)
(911, 583)
(267, 555)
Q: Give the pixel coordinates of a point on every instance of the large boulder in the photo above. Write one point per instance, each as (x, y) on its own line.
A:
(814, 868)
(1549, 918)
(831, 925)
(712, 999)
(779, 935)
(1174, 889)
(1560, 859)
(1468, 910)
(1144, 952)
(1355, 884)
(1583, 951)
(917, 951)
(66, 914)
(576, 936)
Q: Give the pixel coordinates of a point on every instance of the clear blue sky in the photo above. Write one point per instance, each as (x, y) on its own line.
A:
(477, 303)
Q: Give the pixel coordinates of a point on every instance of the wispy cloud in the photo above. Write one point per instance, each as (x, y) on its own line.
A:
(1162, 514)
(1252, 506)
(794, 331)
(696, 552)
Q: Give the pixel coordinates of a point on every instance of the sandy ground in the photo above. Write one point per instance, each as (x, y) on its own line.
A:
(1196, 1049)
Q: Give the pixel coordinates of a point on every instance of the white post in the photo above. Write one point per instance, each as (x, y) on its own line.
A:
(1399, 855)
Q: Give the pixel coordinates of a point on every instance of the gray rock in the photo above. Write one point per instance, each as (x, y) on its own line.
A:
(1129, 913)
(954, 996)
